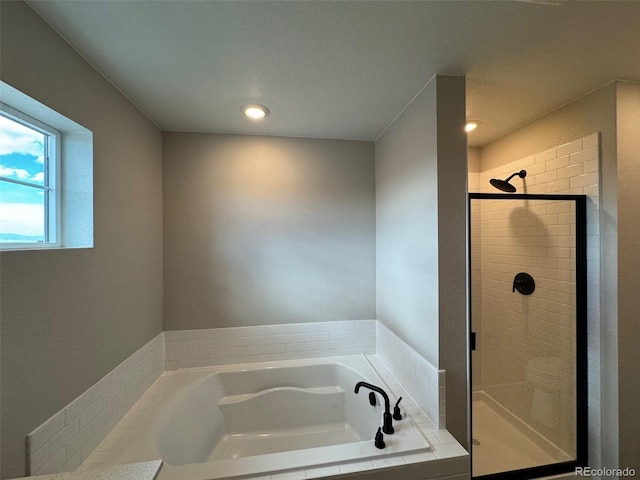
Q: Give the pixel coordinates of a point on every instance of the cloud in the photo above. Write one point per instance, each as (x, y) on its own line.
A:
(38, 177)
(16, 138)
(19, 173)
(22, 218)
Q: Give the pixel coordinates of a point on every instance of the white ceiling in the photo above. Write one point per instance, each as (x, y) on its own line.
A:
(345, 69)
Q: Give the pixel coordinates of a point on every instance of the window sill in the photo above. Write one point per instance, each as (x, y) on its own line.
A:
(33, 248)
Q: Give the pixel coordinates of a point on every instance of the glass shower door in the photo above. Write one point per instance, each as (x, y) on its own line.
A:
(528, 323)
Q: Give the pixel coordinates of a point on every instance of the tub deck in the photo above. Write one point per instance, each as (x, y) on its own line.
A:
(276, 439)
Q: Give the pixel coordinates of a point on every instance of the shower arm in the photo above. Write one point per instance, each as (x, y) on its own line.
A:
(513, 175)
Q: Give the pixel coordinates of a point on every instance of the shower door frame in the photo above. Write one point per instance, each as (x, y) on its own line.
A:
(581, 338)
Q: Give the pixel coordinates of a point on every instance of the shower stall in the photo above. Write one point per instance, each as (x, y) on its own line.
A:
(528, 313)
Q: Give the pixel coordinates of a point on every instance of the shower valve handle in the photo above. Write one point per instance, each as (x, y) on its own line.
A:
(524, 283)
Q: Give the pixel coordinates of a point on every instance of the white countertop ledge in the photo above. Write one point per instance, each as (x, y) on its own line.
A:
(131, 471)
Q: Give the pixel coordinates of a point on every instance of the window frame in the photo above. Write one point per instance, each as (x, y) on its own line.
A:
(52, 184)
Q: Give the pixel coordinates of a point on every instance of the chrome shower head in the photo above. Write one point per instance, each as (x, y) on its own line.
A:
(504, 185)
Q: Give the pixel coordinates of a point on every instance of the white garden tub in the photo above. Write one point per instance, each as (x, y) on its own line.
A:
(221, 422)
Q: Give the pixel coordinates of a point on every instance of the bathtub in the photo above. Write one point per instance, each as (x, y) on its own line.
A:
(235, 421)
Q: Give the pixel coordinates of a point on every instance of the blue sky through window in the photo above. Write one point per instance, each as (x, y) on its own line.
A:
(22, 151)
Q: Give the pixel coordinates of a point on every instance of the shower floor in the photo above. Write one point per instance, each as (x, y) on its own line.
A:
(498, 445)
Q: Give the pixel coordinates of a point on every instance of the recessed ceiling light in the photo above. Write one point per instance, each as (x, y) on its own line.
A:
(255, 111)
(471, 125)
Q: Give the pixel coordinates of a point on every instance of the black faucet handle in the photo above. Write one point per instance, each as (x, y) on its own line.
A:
(396, 411)
(379, 442)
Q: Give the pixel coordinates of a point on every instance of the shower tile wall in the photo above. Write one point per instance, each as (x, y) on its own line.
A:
(513, 329)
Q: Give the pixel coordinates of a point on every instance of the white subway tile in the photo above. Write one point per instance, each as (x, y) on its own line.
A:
(329, 326)
(590, 141)
(339, 335)
(46, 431)
(294, 328)
(419, 457)
(275, 329)
(85, 419)
(295, 475)
(38, 458)
(570, 171)
(389, 462)
(259, 330)
(546, 177)
(175, 335)
(586, 155)
(525, 162)
(54, 464)
(364, 325)
(323, 471)
(547, 155)
(356, 467)
(76, 407)
(532, 171)
(584, 180)
(557, 163)
(66, 434)
(590, 166)
(311, 327)
(172, 365)
(248, 341)
(445, 437)
(224, 342)
(329, 344)
(592, 191)
(570, 147)
(311, 346)
(73, 462)
(346, 325)
(91, 443)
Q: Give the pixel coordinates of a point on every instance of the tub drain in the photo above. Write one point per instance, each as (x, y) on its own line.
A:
(475, 442)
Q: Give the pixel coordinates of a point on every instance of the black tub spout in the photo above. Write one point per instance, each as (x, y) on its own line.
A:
(387, 422)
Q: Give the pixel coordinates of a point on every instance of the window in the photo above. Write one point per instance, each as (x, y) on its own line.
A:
(29, 181)
(46, 176)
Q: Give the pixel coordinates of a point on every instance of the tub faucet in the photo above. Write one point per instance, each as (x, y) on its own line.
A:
(387, 423)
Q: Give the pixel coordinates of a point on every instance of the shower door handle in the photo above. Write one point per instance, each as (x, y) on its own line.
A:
(473, 341)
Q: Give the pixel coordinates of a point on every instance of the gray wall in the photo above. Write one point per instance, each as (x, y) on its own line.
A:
(452, 251)
(407, 225)
(70, 316)
(628, 121)
(592, 113)
(267, 230)
(421, 169)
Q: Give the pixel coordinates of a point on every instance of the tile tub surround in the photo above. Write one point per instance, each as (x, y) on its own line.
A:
(424, 382)
(266, 343)
(64, 441)
(131, 471)
(444, 459)
(226, 346)
(67, 439)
